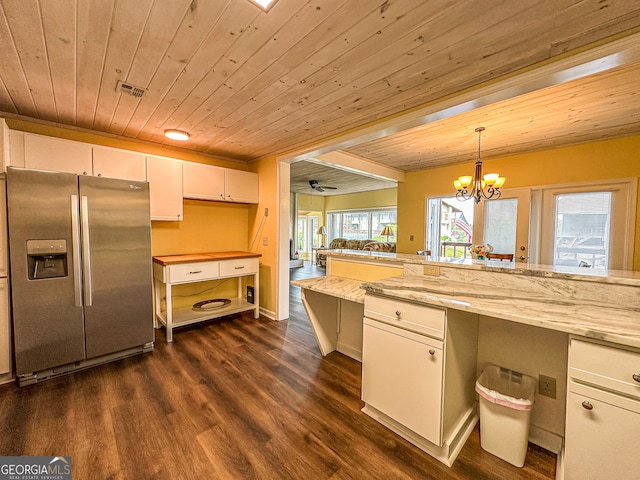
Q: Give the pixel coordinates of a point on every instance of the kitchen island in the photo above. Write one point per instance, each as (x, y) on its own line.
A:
(534, 318)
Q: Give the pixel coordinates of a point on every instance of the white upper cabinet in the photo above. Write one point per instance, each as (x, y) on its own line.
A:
(206, 182)
(48, 153)
(165, 187)
(116, 163)
(202, 182)
(240, 187)
(4, 145)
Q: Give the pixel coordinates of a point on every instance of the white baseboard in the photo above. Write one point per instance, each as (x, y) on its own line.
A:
(268, 313)
(349, 351)
(546, 439)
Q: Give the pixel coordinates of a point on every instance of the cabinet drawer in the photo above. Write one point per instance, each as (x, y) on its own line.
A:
(410, 316)
(613, 368)
(240, 266)
(189, 272)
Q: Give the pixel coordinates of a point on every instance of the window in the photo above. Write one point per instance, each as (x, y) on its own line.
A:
(587, 225)
(307, 237)
(361, 224)
(583, 221)
(449, 227)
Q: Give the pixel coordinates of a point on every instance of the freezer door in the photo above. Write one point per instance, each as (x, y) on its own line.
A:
(47, 314)
(116, 232)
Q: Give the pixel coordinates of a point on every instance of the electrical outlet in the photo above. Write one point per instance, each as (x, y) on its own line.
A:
(547, 386)
(265, 241)
(266, 212)
(431, 270)
(411, 238)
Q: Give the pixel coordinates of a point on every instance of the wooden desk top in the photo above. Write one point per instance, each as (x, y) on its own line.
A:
(203, 257)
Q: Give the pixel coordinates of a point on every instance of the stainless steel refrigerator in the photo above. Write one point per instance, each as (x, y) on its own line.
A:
(80, 270)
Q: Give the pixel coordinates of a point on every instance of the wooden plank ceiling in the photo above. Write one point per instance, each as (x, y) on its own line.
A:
(246, 84)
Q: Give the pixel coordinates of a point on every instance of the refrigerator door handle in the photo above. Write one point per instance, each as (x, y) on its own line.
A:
(86, 250)
(75, 238)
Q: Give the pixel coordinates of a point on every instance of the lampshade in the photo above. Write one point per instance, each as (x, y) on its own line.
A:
(322, 230)
(387, 231)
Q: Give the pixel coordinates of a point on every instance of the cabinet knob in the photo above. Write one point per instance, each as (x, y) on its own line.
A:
(636, 377)
(84, 173)
(432, 352)
(587, 405)
(99, 174)
(398, 313)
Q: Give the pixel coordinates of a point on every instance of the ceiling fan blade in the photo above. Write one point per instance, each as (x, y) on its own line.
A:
(330, 188)
(318, 188)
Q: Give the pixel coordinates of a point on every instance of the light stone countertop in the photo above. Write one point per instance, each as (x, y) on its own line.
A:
(618, 277)
(612, 322)
(341, 287)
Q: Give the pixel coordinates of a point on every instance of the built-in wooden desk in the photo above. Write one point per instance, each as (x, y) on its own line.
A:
(180, 269)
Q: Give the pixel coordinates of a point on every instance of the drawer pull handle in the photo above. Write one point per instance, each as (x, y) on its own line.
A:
(636, 377)
(398, 313)
(239, 268)
(432, 352)
(587, 405)
(197, 271)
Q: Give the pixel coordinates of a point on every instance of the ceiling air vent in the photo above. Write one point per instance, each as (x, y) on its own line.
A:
(131, 89)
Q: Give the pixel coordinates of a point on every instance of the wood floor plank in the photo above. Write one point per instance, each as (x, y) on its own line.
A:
(234, 398)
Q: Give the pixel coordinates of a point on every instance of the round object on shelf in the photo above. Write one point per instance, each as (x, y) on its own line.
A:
(211, 304)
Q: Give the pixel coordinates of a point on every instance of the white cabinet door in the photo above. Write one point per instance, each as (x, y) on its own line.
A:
(602, 439)
(5, 348)
(402, 377)
(203, 182)
(47, 153)
(3, 229)
(4, 145)
(116, 163)
(240, 187)
(165, 187)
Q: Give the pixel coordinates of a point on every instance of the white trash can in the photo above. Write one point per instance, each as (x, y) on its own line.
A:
(506, 398)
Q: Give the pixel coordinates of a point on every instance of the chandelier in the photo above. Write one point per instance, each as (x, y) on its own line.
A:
(492, 181)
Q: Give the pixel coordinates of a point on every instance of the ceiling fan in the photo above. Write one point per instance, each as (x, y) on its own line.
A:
(320, 188)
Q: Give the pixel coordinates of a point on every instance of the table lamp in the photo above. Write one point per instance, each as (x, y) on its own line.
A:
(388, 232)
(321, 232)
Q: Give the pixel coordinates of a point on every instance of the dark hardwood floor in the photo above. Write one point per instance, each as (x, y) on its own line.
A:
(236, 398)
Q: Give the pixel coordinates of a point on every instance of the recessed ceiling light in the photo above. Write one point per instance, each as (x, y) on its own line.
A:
(264, 4)
(176, 135)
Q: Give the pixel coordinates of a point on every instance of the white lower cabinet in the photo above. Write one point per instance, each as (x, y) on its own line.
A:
(418, 373)
(602, 435)
(5, 335)
(603, 412)
(402, 377)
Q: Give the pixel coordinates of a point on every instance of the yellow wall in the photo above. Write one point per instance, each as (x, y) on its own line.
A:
(311, 203)
(374, 199)
(609, 159)
(207, 227)
(261, 227)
